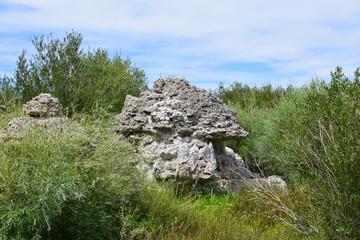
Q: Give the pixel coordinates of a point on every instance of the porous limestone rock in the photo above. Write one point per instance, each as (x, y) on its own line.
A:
(44, 112)
(44, 105)
(181, 130)
(175, 106)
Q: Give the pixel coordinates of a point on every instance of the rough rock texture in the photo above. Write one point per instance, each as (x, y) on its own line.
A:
(44, 105)
(182, 130)
(17, 127)
(44, 112)
(175, 106)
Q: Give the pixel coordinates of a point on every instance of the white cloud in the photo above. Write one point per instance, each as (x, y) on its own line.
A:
(298, 39)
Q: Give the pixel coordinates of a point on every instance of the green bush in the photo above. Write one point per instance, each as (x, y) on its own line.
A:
(246, 97)
(320, 140)
(256, 148)
(311, 137)
(54, 186)
(7, 94)
(78, 78)
(257, 110)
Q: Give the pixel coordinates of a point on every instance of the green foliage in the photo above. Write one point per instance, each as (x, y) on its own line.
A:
(79, 79)
(54, 186)
(7, 94)
(257, 109)
(255, 148)
(251, 97)
(310, 136)
(321, 140)
(168, 216)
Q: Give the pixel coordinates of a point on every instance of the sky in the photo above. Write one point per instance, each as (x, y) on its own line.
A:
(254, 42)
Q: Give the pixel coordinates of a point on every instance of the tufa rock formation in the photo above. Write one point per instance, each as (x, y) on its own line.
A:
(42, 106)
(182, 130)
(44, 112)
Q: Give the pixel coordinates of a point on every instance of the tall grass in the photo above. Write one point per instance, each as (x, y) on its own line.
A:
(227, 216)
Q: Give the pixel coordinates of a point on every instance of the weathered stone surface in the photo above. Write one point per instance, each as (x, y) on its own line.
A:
(44, 112)
(184, 110)
(44, 105)
(182, 131)
(17, 127)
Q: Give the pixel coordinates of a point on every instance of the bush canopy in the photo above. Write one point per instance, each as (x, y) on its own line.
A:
(80, 79)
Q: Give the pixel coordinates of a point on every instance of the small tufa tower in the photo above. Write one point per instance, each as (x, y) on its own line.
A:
(182, 130)
(42, 106)
(44, 113)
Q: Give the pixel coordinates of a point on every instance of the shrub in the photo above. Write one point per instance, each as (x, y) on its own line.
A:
(79, 79)
(53, 186)
(251, 97)
(320, 140)
(7, 94)
(256, 148)
(257, 110)
(311, 136)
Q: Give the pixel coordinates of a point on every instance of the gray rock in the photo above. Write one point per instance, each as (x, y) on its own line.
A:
(183, 130)
(44, 105)
(175, 105)
(18, 127)
(44, 112)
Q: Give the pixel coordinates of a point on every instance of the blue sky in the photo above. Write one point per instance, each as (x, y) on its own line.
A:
(207, 41)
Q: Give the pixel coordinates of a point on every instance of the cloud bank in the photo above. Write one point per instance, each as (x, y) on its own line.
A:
(254, 42)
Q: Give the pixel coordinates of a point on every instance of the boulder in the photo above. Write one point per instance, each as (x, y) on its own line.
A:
(44, 105)
(44, 113)
(181, 131)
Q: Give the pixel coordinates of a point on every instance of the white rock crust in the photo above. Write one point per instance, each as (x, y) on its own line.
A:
(183, 130)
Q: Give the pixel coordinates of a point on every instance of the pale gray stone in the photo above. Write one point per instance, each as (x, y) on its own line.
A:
(44, 112)
(44, 105)
(185, 128)
(18, 127)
